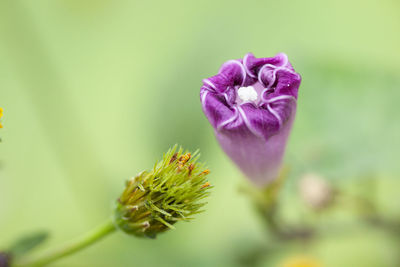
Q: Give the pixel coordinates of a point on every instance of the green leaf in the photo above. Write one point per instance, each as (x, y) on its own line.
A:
(28, 243)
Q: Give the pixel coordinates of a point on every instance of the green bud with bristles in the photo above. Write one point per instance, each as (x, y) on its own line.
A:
(155, 200)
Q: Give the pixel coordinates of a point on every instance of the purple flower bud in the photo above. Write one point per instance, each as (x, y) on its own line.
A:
(251, 103)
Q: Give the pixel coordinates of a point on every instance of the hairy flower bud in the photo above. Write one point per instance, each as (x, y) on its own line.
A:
(251, 103)
(155, 200)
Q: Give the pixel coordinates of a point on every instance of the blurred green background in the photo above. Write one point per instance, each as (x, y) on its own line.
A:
(95, 91)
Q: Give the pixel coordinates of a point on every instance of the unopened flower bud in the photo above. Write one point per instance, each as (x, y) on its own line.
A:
(251, 103)
(316, 191)
(155, 200)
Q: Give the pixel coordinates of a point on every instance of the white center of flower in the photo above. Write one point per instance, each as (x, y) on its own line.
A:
(247, 94)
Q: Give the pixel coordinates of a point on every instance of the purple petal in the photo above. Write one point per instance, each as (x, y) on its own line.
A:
(259, 160)
(251, 104)
(233, 71)
(217, 83)
(267, 75)
(253, 65)
(261, 122)
(216, 108)
(288, 82)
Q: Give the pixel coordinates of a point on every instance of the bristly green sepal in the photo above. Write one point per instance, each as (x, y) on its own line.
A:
(155, 200)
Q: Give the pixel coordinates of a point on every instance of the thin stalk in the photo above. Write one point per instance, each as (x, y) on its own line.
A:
(69, 248)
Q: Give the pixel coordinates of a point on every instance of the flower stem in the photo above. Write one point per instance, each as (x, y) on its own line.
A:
(69, 248)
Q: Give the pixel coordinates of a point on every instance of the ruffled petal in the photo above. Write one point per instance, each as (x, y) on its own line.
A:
(282, 108)
(260, 122)
(252, 64)
(234, 73)
(288, 82)
(215, 107)
(266, 75)
(217, 83)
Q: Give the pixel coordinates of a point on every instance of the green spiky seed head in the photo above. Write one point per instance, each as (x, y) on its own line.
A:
(155, 200)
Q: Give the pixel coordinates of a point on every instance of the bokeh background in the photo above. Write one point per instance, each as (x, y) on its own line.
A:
(95, 91)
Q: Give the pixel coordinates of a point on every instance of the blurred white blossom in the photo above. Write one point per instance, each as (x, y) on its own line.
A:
(315, 191)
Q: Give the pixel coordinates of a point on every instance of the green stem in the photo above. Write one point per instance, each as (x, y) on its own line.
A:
(265, 201)
(69, 248)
